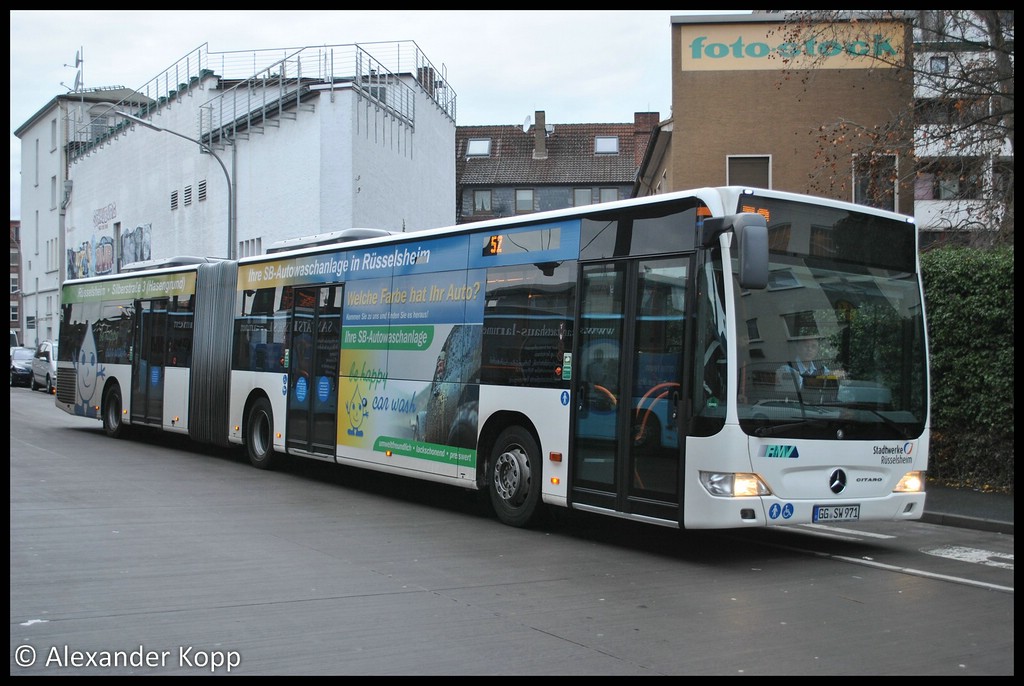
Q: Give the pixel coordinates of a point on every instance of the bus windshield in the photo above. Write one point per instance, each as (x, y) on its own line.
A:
(834, 347)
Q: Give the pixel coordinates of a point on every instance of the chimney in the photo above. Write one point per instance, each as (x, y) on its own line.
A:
(540, 145)
(644, 124)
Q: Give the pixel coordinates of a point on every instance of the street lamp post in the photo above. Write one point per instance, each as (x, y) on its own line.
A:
(206, 148)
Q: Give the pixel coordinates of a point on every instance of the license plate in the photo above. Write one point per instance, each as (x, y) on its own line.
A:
(836, 513)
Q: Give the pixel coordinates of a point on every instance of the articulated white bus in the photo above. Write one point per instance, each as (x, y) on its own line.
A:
(635, 358)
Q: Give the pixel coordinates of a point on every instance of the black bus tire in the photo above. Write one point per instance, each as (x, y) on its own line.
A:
(259, 435)
(113, 418)
(515, 477)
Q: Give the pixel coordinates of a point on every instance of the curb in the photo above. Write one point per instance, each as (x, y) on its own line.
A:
(963, 522)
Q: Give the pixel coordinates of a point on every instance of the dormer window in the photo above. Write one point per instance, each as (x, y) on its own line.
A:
(606, 145)
(478, 147)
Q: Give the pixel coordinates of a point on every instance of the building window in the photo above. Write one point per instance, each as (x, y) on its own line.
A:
(14, 283)
(609, 194)
(174, 200)
(606, 145)
(950, 111)
(51, 255)
(753, 331)
(948, 179)
(478, 147)
(14, 312)
(1002, 178)
(801, 324)
(874, 181)
(482, 200)
(748, 170)
(934, 111)
(53, 192)
(14, 257)
(823, 241)
(581, 196)
(524, 200)
(939, 64)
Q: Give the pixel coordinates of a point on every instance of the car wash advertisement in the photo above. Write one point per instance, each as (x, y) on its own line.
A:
(408, 376)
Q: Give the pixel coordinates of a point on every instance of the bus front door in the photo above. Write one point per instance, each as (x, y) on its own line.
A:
(149, 346)
(314, 356)
(626, 446)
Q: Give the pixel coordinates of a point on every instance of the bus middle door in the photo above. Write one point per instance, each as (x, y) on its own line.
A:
(313, 370)
(149, 341)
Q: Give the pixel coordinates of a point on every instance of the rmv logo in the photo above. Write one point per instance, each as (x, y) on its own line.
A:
(786, 451)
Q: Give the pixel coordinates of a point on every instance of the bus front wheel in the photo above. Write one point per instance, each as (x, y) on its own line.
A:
(259, 435)
(113, 421)
(515, 477)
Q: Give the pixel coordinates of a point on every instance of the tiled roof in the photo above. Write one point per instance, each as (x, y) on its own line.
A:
(570, 156)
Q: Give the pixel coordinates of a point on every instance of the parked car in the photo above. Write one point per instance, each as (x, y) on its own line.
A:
(44, 366)
(21, 365)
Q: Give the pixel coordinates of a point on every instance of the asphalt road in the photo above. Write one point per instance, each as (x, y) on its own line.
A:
(152, 556)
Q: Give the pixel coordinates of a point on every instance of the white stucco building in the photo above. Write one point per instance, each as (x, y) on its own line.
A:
(286, 143)
(44, 193)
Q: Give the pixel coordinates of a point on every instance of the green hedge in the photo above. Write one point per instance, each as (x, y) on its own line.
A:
(969, 304)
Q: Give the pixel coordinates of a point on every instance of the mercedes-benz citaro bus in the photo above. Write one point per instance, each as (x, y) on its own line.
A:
(632, 358)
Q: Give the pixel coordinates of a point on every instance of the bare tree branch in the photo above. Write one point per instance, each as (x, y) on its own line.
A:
(958, 132)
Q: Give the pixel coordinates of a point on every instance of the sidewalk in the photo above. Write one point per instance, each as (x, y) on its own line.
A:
(969, 509)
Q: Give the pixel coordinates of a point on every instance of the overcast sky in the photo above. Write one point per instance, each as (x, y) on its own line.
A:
(577, 66)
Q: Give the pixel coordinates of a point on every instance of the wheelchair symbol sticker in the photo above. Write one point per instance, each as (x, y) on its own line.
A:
(776, 510)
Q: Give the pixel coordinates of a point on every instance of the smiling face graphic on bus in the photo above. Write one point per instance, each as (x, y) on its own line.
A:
(356, 409)
(87, 372)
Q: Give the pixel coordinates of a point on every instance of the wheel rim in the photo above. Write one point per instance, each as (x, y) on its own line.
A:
(512, 475)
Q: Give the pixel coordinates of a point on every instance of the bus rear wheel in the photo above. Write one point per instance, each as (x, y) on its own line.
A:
(259, 435)
(515, 472)
(113, 421)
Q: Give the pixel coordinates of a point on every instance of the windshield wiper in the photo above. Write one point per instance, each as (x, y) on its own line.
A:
(900, 430)
(798, 385)
(781, 428)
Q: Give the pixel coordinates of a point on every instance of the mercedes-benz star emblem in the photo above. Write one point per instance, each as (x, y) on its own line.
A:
(837, 481)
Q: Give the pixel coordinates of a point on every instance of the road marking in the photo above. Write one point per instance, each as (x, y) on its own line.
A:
(868, 562)
(851, 532)
(974, 556)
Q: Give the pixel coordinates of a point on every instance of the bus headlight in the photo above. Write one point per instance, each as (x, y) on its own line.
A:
(733, 485)
(912, 482)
